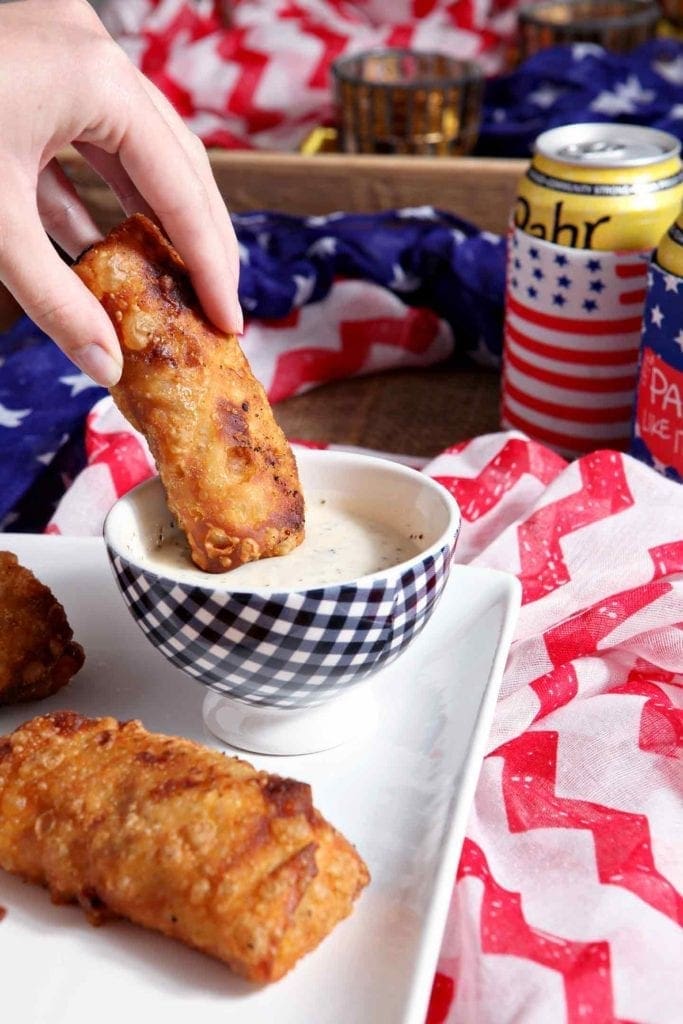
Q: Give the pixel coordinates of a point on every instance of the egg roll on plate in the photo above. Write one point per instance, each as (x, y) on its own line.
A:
(175, 837)
(38, 654)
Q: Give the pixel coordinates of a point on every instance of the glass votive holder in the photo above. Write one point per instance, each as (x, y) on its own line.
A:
(407, 102)
(618, 25)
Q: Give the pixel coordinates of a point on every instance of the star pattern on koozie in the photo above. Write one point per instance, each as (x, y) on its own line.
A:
(580, 284)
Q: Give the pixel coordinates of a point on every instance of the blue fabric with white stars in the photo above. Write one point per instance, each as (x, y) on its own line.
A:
(426, 257)
(663, 335)
(582, 83)
(576, 287)
(44, 400)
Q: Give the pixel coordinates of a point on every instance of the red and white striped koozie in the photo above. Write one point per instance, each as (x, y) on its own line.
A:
(572, 330)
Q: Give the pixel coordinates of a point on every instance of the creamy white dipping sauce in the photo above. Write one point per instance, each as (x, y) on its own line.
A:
(340, 544)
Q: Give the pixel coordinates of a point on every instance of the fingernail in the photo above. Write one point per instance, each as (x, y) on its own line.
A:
(99, 364)
(238, 319)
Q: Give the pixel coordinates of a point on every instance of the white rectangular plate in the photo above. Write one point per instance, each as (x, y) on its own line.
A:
(401, 794)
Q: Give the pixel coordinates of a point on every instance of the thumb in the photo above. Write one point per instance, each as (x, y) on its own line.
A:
(52, 295)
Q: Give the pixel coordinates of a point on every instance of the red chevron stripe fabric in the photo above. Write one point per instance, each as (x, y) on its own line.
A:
(359, 328)
(264, 82)
(567, 904)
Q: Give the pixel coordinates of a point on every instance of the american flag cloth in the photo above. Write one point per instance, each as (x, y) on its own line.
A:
(573, 319)
(567, 904)
(658, 422)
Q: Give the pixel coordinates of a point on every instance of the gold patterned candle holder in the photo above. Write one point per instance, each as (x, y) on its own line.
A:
(618, 25)
(672, 15)
(407, 102)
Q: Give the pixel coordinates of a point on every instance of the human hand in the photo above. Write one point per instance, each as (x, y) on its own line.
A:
(64, 80)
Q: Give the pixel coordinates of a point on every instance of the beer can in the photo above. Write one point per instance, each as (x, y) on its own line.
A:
(591, 207)
(658, 419)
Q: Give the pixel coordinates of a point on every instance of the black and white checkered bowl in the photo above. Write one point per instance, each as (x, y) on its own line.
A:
(290, 648)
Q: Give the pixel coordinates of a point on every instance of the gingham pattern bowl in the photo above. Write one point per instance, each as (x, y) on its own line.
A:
(298, 648)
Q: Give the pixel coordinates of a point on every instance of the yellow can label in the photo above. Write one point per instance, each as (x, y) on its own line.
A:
(605, 209)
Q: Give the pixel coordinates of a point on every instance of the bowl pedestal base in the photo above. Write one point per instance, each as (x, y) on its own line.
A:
(285, 731)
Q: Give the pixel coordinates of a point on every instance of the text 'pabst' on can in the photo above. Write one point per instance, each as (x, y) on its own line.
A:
(658, 421)
(590, 209)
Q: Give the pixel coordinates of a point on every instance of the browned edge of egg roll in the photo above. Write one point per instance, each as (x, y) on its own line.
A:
(175, 837)
(38, 654)
(229, 472)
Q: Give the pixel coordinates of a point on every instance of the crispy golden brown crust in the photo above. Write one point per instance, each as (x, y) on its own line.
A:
(37, 653)
(229, 473)
(175, 837)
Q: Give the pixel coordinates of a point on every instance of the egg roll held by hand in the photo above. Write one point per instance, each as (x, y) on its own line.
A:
(229, 474)
(173, 836)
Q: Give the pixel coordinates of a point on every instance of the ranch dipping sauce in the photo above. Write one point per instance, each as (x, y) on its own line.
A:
(340, 544)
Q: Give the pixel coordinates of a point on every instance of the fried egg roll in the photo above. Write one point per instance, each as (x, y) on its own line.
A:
(38, 655)
(229, 473)
(175, 837)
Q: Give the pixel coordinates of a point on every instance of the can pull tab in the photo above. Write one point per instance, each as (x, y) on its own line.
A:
(597, 148)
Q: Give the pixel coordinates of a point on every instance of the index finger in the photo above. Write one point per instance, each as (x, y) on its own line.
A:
(199, 158)
(161, 170)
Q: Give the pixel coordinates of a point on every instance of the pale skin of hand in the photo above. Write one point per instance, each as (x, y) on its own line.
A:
(64, 80)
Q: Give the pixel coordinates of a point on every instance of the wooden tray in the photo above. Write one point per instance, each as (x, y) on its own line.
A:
(482, 190)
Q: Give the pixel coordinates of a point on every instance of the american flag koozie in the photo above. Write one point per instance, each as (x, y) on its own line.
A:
(658, 422)
(573, 321)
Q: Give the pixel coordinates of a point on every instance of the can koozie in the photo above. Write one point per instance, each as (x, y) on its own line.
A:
(658, 422)
(590, 208)
(573, 321)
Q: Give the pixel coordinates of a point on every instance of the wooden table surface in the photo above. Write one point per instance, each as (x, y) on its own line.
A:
(412, 412)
